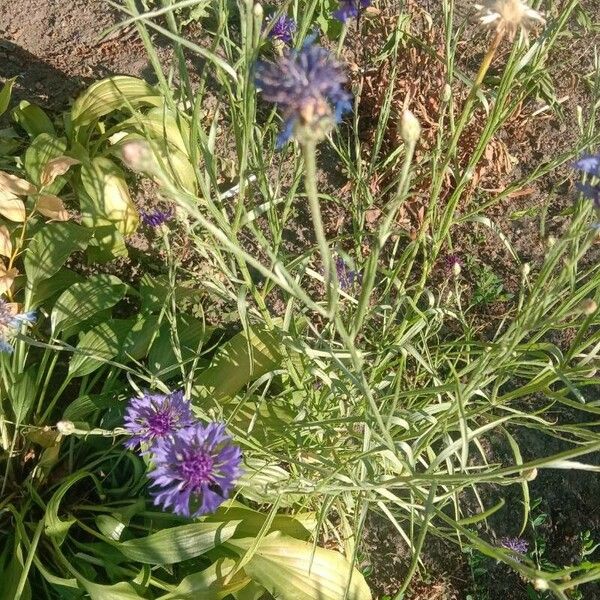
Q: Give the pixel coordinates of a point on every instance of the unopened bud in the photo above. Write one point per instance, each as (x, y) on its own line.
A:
(456, 269)
(65, 427)
(258, 10)
(540, 585)
(588, 306)
(447, 95)
(550, 241)
(410, 128)
(530, 474)
(525, 269)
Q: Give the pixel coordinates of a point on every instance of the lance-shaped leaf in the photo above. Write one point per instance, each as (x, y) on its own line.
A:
(108, 200)
(12, 207)
(5, 241)
(56, 167)
(52, 207)
(15, 185)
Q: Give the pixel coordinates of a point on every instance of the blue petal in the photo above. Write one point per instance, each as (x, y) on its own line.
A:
(589, 164)
(285, 134)
(5, 346)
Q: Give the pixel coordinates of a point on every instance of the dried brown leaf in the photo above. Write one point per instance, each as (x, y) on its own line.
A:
(15, 185)
(5, 242)
(12, 207)
(7, 278)
(52, 207)
(55, 168)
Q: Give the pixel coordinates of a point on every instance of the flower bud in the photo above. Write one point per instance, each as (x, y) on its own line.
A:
(540, 584)
(65, 427)
(588, 306)
(447, 94)
(410, 128)
(525, 269)
(138, 156)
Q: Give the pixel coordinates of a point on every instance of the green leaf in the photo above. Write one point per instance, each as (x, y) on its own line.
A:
(83, 300)
(50, 248)
(260, 481)
(211, 584)
(295, 570)
(22, 393)
(177, 544)
(140, 337)
(54, 527)
(239, 361)
(33, 119)
(60, 281)
(83, 406)
(97, 346)
(6, 93)
(118, 591)
(111, 94)
(107, 200)
(43, 149)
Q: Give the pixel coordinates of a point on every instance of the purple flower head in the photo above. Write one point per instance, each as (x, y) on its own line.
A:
(195, 469)
(308, 86)
(283, 29)
(156, 416)
(10, 322)
(346, 276)
(155, 218)
(453, 264)
(518, 545)
(350, 9)
(591, 166)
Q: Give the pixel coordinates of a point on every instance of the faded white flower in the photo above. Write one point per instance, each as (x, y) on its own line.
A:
(509, 16)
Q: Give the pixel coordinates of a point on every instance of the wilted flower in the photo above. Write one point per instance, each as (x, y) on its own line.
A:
(508, 16)
(10, 321)
(156, 416)
(155, 218)
(518, 545)
(453, 265)
(591, 166)
(350, 9)
(308, 85)
(346, 276)
(283, 29)
(195, 469)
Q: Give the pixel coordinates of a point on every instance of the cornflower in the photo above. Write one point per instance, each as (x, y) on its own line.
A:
(154, 417)
(195, 469)
(350, 9)
(308, 86)
(10, 322)
(283, 30)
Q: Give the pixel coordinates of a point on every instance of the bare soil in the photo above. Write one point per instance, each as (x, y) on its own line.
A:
(55, 49)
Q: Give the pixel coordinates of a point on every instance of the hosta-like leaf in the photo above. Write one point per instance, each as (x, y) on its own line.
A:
(5, 94)
(108, 195)
(240, 360)
(52, 207)
(83, 300)
(33, 119)
(50, 248)
(14, 185)
(295, 570)
(42, 150)
(118, 591)
(110, 94)
(56, 167)
(177, 544)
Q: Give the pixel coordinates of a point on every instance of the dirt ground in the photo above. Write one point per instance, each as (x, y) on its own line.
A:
(55, 50)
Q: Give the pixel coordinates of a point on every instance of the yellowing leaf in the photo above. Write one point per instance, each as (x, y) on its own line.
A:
(52, 207)
(110, 201)
(12, 207)
(56, 167)
(15, 185)
(7, 278)
(295, 570)
(5, 242)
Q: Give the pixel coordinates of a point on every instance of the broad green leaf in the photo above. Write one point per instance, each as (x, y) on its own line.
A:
(22, 393)
(111, 94)
(42, 150)
(168, 351)
(100, 344)
(106, 244)
(83, 406)
(137, 343)
(50, 248)
(260, 481)
(33, 119)
(60, 281)
(210, 584)
(83, 300)
(10, 578)
(233, 366)
(118, 591)
(54, 527)
(6, 93)
(295, 570)
(108, 201)
(177, 544)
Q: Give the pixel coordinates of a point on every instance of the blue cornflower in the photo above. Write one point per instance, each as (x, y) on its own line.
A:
(346, 276)
(591, 166)
(154, 417)
(195, 469)
(155, 218)
(10, 322)
(308, 86)
(518, 545)
(283, 29)
(350, 9)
